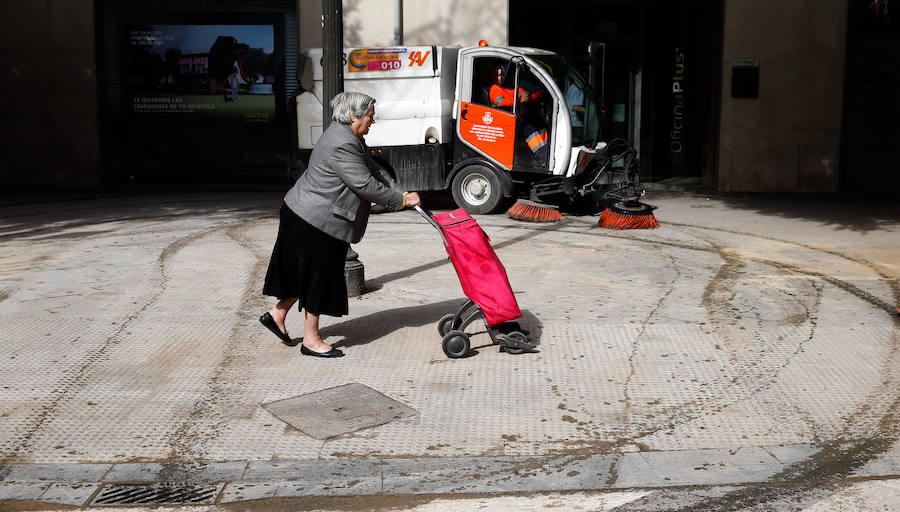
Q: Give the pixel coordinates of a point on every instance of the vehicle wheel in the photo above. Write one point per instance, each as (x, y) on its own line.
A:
(477, 189)
(631, 208)
(445, 324)
(516, 335)
(455, 344)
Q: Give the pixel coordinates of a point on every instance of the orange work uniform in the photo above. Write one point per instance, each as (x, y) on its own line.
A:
(504, 97)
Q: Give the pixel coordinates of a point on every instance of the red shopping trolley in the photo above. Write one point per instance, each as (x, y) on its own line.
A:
(483, 281)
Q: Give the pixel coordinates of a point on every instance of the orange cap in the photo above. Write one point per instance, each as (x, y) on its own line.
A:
(482, 43)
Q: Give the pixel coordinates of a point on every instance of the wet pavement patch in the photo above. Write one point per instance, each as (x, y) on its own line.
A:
(339, 410)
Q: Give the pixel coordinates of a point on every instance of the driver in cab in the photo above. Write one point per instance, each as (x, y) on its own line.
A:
(530, 129)
(505, 96)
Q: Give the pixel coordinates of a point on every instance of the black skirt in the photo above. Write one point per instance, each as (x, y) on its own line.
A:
(308, 264)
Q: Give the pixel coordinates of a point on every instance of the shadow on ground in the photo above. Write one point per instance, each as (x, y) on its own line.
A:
(52, 218)
(366, 329)
(838, 211)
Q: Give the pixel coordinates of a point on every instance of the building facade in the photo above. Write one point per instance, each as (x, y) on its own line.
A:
(724, 95)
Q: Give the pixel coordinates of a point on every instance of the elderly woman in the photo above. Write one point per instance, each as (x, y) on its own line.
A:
(323, 213)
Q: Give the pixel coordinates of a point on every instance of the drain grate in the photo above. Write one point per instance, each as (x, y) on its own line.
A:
(339, 410)
(156, 494)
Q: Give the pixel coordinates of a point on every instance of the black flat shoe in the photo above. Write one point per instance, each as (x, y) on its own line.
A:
(334, 352)
(270, 324)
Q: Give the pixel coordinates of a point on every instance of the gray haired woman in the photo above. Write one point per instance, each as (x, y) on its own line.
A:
(325, 211)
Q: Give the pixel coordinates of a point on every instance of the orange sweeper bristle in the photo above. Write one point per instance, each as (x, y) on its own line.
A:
(615, 220)
(530, 211)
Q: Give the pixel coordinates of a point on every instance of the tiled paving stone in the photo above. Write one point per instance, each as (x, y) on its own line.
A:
(330, 477)
(450, 475)
(243, 491)
(69, 493)
(313, 470)
(176, 472)
(22, 492)
(566, 472)
(55, 472)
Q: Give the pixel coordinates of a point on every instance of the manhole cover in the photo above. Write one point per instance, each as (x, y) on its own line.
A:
(157, 494)
(339, 410)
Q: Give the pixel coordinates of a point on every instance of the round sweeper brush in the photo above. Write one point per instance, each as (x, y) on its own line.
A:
(628, 215)
(532, 211)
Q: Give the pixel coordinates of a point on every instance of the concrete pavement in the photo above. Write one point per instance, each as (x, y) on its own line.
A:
(749, 343)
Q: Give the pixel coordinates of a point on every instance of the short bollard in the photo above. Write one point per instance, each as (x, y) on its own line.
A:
(354, 275)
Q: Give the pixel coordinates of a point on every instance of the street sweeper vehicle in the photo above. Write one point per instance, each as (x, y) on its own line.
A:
(491, 124)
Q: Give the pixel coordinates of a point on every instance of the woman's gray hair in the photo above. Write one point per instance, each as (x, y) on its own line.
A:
(348, 105)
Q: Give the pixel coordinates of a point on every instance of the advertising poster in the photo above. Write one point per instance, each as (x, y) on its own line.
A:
(216, 72)
(375, 59)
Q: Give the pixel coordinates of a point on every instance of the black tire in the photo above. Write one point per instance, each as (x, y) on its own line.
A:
(518, 337)
(445, 324)
(630, 208)
(455, 344)
(477, 188)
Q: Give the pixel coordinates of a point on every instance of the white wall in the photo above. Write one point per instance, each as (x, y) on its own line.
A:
(425, 22)
(788, 139)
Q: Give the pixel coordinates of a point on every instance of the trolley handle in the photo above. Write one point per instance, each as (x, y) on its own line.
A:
(427, 214)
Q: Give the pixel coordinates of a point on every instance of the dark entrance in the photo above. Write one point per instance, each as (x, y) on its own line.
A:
(655, 64)
(871, 101)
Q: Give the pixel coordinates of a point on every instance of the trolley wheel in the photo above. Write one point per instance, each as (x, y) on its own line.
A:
(445, 324)
(477, 188)
(455, 344)
(516, 335)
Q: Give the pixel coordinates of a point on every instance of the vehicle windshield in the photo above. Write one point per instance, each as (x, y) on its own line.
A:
(583, 112)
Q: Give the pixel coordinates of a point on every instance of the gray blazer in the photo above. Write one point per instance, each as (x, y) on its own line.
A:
(335, 191)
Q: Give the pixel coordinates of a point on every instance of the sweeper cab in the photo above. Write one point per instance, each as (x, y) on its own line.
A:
(438, 124)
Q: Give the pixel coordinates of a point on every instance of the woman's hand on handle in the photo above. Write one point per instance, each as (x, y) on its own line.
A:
(412, 199)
